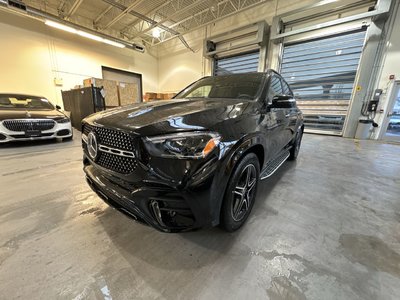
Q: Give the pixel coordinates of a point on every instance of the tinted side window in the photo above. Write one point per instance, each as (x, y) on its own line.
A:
(275, 87)
(286, 89)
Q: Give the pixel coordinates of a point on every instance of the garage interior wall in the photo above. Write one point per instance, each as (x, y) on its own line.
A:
(32, 55)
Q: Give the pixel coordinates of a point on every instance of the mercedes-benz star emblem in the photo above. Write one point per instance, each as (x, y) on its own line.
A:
(92, 145)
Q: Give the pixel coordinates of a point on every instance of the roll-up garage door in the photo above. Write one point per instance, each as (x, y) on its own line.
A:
(321, 73)
(242, 63)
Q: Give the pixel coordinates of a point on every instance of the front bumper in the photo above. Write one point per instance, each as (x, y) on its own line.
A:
(60, 130)
(163, 205)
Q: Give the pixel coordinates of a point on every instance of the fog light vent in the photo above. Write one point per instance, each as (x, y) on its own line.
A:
(157, 212)
(63, 132)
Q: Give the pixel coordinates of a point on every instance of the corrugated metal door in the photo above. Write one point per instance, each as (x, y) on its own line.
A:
(242, 63)
(321, 73)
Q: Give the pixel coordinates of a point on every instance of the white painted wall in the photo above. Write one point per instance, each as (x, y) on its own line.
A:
(33, 54)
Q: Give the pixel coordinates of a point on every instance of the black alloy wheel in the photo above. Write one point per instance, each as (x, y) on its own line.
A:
(241, 193)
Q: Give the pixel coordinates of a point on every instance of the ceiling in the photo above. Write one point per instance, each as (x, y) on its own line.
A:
(148, 22)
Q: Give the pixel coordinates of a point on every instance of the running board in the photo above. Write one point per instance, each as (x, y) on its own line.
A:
(274, 164)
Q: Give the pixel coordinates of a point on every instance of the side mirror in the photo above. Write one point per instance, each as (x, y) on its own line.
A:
(281, 101)
(58, 107)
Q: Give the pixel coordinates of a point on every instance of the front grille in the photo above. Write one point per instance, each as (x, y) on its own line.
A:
(111, 137)
(117, 140)
(25, 125)
(87, 129)
(120, 164)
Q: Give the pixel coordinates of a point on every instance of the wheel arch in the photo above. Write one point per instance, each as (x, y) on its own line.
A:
(253, 144)
(250, 145)
(258, 150)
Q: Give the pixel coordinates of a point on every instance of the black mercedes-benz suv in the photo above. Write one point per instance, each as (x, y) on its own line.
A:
(195, 160)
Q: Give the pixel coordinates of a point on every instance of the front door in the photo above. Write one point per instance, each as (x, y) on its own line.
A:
(278, 118)
(393, 116)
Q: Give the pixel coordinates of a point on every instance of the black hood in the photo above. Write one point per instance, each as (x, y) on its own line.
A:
(159, 117)
(29, 114)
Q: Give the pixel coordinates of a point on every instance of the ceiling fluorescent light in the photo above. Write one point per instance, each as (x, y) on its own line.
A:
(83, 34)
(90, 36)
(60, 26)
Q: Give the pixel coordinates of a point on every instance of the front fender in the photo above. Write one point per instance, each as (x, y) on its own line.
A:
(229, 158)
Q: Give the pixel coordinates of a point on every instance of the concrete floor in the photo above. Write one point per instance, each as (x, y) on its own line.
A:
(324, 227)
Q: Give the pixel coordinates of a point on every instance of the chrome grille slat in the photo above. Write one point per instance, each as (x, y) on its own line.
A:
(116, 151)
(29, 124)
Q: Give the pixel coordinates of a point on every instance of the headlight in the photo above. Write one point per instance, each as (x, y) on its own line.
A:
(183, 145)
(63, 120)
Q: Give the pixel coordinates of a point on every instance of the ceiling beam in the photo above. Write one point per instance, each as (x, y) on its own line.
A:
(179, 11)
(122, 14)
(218, 15)
(149, 20)
(139, 15)
(60, 8)
(102, 14)
(73, 8)
(43, 16)
(150, 12)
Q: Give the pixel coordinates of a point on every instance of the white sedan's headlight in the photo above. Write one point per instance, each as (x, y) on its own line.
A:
(63, 120)
(183, 145)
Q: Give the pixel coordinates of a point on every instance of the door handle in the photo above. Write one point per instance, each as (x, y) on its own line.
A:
(287, 115)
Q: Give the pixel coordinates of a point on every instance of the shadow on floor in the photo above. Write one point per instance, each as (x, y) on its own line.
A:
(183, 250)
(22, 144)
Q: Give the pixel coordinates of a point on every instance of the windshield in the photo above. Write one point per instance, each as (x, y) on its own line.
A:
(243, 86)
(24, 102)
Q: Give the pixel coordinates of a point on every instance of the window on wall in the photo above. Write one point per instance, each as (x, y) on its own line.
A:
(321, 73)
(240, 63)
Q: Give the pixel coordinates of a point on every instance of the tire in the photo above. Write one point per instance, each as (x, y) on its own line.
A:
(294, 151)
(240, 194)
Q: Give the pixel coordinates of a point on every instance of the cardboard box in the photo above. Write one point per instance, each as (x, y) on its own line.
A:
(128, 93)
(150, 96)
(110, 88)
(169, 96)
